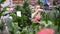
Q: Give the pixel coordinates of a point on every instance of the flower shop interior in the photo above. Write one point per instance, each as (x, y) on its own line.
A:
(29, 16)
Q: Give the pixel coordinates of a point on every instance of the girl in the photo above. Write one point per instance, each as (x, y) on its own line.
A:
(36, 15)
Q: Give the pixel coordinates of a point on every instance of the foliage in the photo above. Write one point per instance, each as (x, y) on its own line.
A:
(40, 3)
(1, 25)
(32, 29)
(1, 1)
(12, 27)
(26, 4)
(24, 20)
(3, 10)
(53, 16)
(27, 12)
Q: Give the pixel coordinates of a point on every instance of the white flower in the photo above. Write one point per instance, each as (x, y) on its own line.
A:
(7, 9)
(10, 17)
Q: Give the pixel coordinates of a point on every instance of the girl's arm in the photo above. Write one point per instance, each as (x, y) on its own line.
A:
(37, 11)
(34, 14)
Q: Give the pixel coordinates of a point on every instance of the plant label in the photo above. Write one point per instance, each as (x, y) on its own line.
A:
(19, 13)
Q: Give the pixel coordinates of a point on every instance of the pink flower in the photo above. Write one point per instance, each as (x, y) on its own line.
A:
(36, 19)
(11, 9)
(46, 31)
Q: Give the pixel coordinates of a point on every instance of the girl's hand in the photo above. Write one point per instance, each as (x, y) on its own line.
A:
(40, 9)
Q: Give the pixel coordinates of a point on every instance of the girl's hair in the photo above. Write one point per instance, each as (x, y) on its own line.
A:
(35, 2)
(36, 7)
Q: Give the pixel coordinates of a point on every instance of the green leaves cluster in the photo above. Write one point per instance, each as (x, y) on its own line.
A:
(24, 20)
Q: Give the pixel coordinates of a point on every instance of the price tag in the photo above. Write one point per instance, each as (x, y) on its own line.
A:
(19, 13)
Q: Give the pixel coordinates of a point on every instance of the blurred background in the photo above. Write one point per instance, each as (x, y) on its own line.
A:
(29, 16)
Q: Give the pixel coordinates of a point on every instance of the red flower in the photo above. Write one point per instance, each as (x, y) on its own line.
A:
(36, 19)
(46, 31)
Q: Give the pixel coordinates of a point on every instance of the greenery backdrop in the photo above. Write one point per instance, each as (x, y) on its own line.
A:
(24, 25)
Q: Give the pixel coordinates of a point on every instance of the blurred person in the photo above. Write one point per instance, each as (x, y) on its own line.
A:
(32, 4)
(51, 4)
(57, 2)
(36, 14)
(35, 11)
(47, 4)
